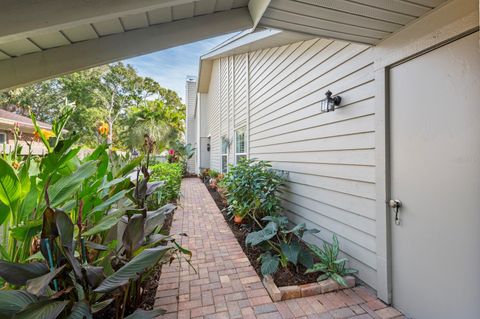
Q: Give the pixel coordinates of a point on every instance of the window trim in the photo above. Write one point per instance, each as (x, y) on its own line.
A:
(6, 137)
(222, 154)
(244, 153)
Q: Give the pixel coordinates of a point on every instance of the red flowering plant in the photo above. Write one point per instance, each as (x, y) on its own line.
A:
(172, 156)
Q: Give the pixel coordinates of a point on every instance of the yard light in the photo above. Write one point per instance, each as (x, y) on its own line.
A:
(328, 104)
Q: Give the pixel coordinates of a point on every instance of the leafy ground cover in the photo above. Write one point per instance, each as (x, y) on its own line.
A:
(78, 238)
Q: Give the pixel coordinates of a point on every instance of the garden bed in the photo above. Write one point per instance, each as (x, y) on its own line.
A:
(284, 276)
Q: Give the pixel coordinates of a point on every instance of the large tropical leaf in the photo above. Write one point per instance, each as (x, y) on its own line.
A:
(12, 301)
(134, 234)
(146, 314)
(45, 309)
(269, 263)
(37, 286)
(65, 229)
(305, 258)
(133, 269)
(66, 186)
(129, 167)
(10, 188)
(101, 305)
(111, 200)
(18, 274)
(26, 230)
(29, 202)
(80, 310)
(153, 187)
(105, 223)
(157, 217)
(291, 251)
(255, 238)
(95, 275)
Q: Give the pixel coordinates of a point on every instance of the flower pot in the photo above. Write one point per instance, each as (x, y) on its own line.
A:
(213, 183)
(238, 219)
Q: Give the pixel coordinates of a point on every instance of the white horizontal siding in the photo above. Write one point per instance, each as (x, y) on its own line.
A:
(330, 157)
(214, 120)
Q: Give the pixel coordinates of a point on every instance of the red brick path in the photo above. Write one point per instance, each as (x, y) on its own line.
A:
(226, 285)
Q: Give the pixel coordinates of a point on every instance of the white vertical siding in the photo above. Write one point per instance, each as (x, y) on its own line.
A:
(330, 156)
(214, 116)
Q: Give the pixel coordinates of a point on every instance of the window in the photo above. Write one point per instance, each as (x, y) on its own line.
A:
(3, 137)
(225, 145)
(240, 149)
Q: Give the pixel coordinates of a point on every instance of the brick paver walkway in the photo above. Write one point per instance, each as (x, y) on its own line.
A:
(226, 285)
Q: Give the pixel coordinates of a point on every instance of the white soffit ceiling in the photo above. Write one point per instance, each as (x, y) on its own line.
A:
(363, 21)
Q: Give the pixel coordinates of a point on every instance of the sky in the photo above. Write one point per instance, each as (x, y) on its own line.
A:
(171, 67)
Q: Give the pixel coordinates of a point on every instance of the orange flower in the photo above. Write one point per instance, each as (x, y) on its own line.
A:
(16, 165)
(47, 134)
(103, 129)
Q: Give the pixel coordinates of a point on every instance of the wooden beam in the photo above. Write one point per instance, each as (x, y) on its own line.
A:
(54, 62)
(26, 18)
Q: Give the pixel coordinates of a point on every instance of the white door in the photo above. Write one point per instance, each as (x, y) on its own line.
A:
(435, 173)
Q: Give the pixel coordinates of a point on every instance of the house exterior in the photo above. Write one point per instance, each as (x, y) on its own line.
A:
(190, 133)
(393, 171)
(8, 120)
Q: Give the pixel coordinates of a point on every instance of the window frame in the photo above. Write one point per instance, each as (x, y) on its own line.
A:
(6, 137)
(239, 131)
(224, 153)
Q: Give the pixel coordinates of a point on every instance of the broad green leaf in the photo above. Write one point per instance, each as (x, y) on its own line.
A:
(104, 224)
(339, 279)
(255, 238)
(154, 186)
(305, 258)
(132, 270)
(134, 234)
(37, 286)
(146, 314)
(291, 251)
(37, 256)
(101, 305)
(10, 188)
(4, 254)
(28, 202)
(18, 274)
(4, 212)
(12, 301)
(322, 277)
(269, 263)
(45, 309)
(65, 229)
(129, 167)
(80, 310)
(157, 217)
(111, 200)
(66, 186)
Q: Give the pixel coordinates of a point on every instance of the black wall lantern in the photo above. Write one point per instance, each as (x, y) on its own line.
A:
(328, 104)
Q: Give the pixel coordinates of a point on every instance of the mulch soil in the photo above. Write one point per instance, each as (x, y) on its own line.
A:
(284, 276)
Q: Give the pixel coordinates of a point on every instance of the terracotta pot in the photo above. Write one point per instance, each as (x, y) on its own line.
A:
(237, 219)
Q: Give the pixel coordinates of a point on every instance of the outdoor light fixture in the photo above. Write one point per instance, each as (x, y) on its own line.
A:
(328, 104)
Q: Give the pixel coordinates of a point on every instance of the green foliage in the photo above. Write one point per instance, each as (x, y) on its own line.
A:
(329, 264)
(132, 105)
(66, 213)
(251, 189)
(281, 245)
(171, 175)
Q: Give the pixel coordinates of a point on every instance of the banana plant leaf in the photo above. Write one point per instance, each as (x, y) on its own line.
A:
(27, 230)
(134, 234)
(12, 301)
(66, 186)
(105, 223)
(65, 228)
(10, 187)
(133, 269)
(157, 217)
(101, 305)
(45, 309)
(18, 274)
(37, 286)
(94, 275)
(111, 200)
(80, 310)
(146, 314)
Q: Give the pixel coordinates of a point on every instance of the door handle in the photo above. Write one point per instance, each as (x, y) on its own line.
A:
(395, 204)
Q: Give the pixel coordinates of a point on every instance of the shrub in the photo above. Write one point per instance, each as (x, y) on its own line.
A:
(251, 189)
(280, 244)
(329, 264)
(171, 174)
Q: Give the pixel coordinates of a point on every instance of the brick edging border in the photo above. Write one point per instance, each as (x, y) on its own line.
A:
(298, 291)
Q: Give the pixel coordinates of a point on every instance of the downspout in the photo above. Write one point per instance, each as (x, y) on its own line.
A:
(248, 106)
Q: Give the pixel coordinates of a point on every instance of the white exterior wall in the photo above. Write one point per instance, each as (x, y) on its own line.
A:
(191, 127)
(329, 157)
